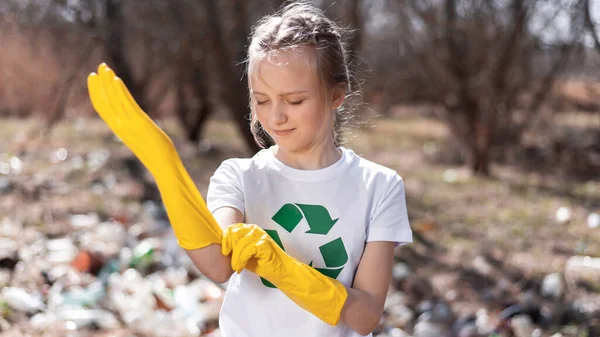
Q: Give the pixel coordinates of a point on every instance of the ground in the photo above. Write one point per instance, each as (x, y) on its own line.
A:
(461, 220)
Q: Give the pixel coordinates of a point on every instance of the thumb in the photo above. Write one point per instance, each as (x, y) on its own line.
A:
(232, 235)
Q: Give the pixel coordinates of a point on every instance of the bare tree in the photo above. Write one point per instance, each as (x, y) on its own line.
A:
(193, 106)
(486, 65)
(591, 25)
(64, 87)
(353, 15)
(43, 25)
(117, 48)
(235, 97)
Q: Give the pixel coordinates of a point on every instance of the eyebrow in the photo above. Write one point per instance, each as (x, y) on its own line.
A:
(282, 94)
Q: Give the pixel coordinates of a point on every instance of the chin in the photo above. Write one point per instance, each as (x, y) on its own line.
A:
(294, 147)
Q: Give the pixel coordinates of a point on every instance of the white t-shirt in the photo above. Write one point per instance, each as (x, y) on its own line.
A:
(321, 217)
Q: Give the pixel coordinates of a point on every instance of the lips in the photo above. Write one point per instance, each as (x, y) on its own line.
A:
(283, 132)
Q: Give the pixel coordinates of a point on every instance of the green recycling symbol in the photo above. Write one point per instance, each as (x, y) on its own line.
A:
(334, 252)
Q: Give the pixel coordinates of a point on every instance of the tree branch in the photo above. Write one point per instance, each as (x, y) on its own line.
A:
(591, 25)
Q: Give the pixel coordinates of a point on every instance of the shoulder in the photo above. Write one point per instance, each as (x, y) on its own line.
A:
(374, 173)
(245, 165)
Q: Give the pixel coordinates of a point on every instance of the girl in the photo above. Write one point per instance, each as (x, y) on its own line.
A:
(308, 226)
(320, 202)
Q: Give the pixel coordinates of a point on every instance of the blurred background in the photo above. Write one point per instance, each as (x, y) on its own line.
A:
(489, 110)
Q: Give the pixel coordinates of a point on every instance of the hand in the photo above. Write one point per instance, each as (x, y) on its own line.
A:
(194, 225)
(115, 105)
(249, 244)
(252, 248)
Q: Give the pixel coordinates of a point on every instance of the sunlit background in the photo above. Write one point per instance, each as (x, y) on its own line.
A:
(489, 110)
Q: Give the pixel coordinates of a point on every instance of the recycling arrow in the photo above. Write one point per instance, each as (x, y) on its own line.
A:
(319, 221)
(335, 256)
(317, 217)
(273, 234)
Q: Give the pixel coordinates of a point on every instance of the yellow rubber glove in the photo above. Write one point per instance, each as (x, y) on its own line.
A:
(252, 248)
(194, 225)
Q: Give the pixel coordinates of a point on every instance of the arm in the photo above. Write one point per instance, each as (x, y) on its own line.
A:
(192, 222)
(364, 305)
(209, 260)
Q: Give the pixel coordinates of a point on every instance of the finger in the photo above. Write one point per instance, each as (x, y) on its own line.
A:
(252, 265)
(102, 67)
(230, 237)
(104, 72)
(243, 251)
(108, 84)
(129, 101)
(226, 244)
(123, 105)
(98, 99)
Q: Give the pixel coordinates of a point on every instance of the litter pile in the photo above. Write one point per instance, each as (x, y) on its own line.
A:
(120, 272)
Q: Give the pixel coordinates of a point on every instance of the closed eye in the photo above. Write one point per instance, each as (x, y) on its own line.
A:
(261, 103)
(296, 102)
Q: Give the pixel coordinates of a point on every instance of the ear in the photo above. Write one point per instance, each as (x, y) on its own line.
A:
(338, 96)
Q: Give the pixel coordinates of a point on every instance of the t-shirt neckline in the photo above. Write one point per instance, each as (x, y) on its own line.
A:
(310, 175)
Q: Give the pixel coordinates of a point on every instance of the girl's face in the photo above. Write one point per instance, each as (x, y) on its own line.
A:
(285, 93)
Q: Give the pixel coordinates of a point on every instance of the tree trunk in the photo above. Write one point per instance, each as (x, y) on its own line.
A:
(191, 118)
(64, 88)
(591, 24)
(235, 97)
(116, 50)
(480, 153)
(354, 16)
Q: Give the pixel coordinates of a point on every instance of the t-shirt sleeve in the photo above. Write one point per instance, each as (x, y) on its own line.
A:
(389, 221)
(225, 188)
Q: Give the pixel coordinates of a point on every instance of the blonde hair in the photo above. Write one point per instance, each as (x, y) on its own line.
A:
(295, 25)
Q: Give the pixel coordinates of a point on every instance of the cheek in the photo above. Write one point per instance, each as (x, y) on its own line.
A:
(261, 114)
(311, 115)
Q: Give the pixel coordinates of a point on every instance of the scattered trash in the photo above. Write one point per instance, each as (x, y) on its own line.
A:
(58, 155)
(593, 220)
(450, 175)
(4, 168)
(60, 251)
(582, 269)
(400, 271)
(395, 332)
(97, 159)
(399, 316)
(16, 165)
(4, 277)
(5, 184)
(427, 329)
(563, 215)
(82, 221)
(8, 253)
(117, 265)
(522, 326)
(19, 299)
(552, 285)
(77, 162)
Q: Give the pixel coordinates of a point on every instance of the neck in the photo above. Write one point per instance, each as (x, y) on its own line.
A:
(305, 159)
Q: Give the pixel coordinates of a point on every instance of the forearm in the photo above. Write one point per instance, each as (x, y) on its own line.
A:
(212, 263)
(361, 312)
(210, 260)
(193, 224)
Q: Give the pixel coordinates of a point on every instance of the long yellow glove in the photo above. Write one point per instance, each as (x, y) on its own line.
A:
(252, 248)
(194, 225)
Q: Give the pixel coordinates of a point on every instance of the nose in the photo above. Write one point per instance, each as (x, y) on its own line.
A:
(278, 114)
